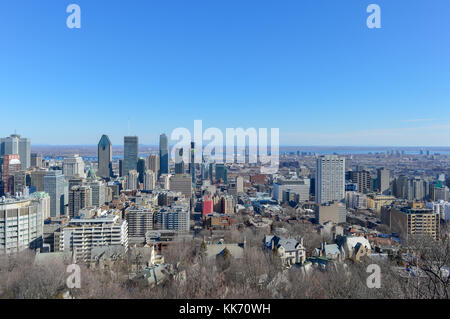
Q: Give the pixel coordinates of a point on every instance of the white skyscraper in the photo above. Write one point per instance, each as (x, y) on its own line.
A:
(73, 166)
(330, 179)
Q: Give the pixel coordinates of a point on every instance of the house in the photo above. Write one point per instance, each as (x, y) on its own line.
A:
(355, 247)
(220, 249)
(330, 251)
(289, 250)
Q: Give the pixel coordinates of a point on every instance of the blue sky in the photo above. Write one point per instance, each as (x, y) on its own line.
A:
(311, 68)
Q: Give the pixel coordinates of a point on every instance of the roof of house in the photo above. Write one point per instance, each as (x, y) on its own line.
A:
(213, 250)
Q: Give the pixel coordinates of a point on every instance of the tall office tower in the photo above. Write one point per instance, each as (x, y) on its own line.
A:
(153, 163)
(179, 163)
(73, 166)
(149, 180)
(181, 183)
(79, 197)
(43, 202)
(98, 193)
(20, 181)
(14, 144)
(363, 179)
(141, 168)
(163, 154)
(37, 179)
(121, 168)
(36, 160)
(330, 179)
(383, 177)
(204, 167)
(20, 225)
(192, 163)
(54, 185)
(104, 157)
(221, 173)
(132, 179)
(130, 154)
(11, 164)
(210, 172)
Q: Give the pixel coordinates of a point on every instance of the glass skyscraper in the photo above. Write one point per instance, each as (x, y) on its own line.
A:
(130, 154)
(54, 184)
(164, 154)
(104, 157)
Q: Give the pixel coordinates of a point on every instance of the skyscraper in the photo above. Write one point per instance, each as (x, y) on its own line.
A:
(221, 173)
(104, 157)
(79, 197)
(132, 179)
(383, 177)
(73, 166)
(14, 144)
(330, 179)
(141, 168)
(164, 154)
(11, 164)
(54, 185)
(179, 163)
(153, 163)
(130, 154)
(192, 163)
(149, 180)
(36, 160)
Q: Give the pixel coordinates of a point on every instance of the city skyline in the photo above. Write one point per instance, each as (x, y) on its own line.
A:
(320, 75)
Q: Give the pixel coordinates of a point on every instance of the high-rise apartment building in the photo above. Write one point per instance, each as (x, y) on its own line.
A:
(153, 163)
(54, 185)
(79, 197)
(15, 144)
(330, 179)
(98, 193)
(20, 225)
(164, 154)
(181, 183)
(149, 180)
(383, 178)
(104, 157)
(132, 180)
(176, 217)
(82, 235)
(140, 221)
(412, 221)
(130, 154)
(363, 179)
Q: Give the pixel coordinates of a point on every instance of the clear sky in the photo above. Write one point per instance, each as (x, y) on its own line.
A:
(309, 67)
